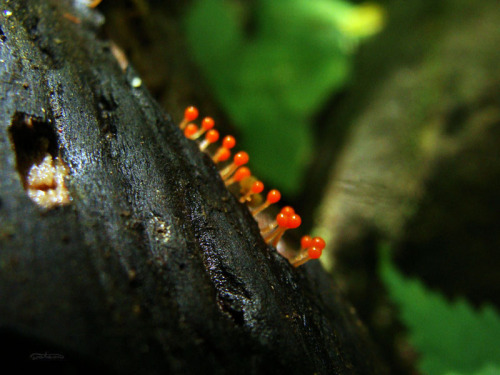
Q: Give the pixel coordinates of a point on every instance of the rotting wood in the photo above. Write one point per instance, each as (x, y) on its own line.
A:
(153, 265)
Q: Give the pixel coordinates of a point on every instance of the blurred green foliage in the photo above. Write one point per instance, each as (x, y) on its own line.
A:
(487, 370)
(451, 338)
(273, 66)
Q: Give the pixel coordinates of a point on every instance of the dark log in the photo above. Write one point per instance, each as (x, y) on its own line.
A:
(152, 266)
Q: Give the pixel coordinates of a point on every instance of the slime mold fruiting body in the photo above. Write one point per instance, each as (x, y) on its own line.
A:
(251, 188)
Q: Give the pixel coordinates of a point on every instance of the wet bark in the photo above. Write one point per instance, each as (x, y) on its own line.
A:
(407, 153)
(152, 266)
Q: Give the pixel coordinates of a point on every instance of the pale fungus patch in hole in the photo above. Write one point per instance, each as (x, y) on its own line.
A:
(41, 170)
(45, 183)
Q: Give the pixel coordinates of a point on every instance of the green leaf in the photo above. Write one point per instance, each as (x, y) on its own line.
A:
(213, 32)
(268, 151)
(452, 337)
(487, 370)
(272, 81)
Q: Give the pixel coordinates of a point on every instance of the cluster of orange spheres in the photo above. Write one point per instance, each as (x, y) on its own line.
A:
(236, 172)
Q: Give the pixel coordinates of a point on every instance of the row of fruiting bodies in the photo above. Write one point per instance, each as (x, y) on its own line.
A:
(250, 188)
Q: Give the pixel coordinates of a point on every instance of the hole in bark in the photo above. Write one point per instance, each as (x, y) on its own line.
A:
(236, 314)
(3, 38)
(41, 170)
(107, 104)
(233, 297)
(32, 139)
